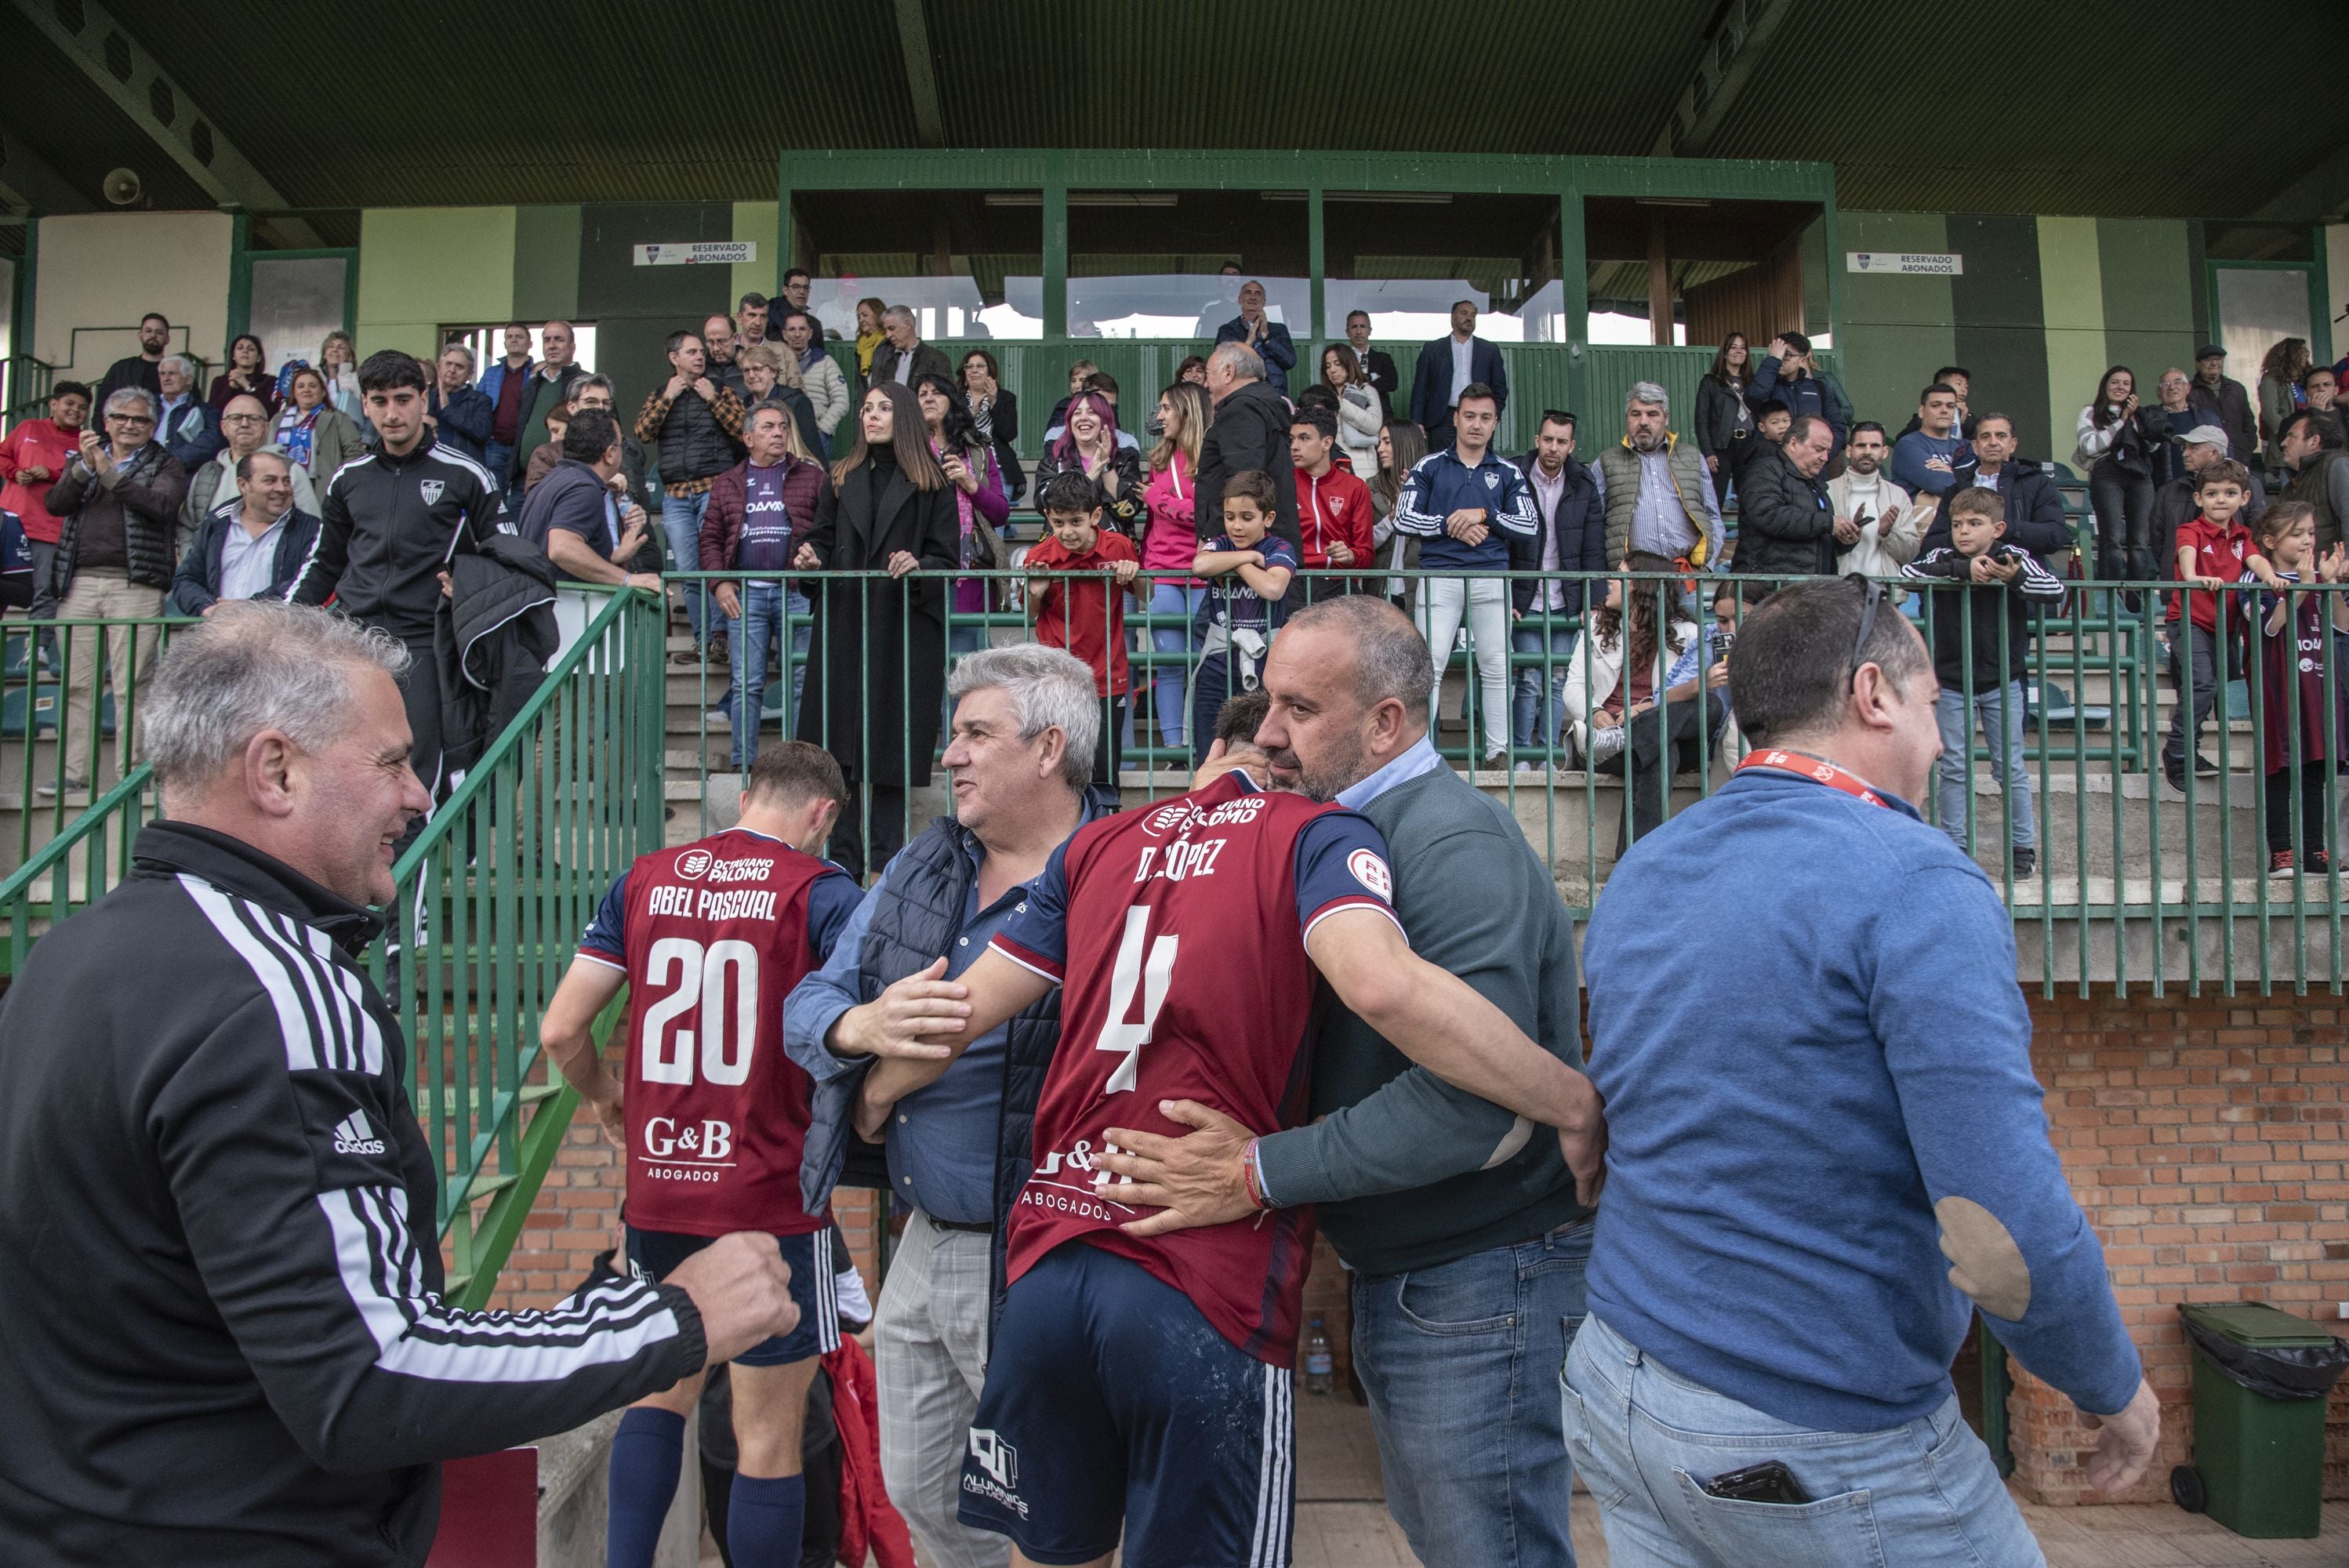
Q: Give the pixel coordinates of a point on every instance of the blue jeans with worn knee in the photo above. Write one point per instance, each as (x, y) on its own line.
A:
(1461, 1362)
(1647, 1439)
(754, 635)
(1998, 709)
(1533, 636)
(681, 521)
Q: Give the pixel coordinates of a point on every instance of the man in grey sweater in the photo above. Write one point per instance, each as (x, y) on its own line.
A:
(1462, 1223)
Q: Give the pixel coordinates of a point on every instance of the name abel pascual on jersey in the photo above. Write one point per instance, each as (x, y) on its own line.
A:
(708, 903)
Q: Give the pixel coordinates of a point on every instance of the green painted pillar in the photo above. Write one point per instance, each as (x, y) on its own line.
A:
(783, 239)
(240, 280)
(1317, 268)
(1056, 248)
(1574, 284)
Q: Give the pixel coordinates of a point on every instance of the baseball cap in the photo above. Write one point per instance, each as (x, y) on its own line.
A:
(2210, 351)
(2206, 436)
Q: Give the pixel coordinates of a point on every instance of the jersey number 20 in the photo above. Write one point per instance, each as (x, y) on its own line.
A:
(1129, 973)
(728, 1014)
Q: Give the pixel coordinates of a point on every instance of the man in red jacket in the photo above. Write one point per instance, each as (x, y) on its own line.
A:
(31, 459)
(1333, 507)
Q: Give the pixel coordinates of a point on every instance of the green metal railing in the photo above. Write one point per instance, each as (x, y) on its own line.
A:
(2135, 884)
(492, 895)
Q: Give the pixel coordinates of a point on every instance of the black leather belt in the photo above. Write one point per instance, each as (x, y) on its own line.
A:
(974, 1227)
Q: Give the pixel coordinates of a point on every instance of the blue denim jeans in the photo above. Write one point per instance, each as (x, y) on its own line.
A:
(2000, 711)
(753, 638)
(1168, 681)
(681, 521)
(1533, 637)
(1458, 1361)
(1647, 1441)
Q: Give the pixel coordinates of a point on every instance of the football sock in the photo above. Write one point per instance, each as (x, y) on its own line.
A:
(762, 1520)
(647, 1452)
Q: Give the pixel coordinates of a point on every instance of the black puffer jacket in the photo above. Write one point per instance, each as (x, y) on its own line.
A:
(143, 501)
(492, 642)
(697, 439)
(1785, 523)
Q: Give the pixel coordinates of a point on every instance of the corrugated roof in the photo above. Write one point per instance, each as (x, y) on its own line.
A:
(1995, 104)
(2044, 106)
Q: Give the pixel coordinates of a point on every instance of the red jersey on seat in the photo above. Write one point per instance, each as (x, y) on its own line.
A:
(713, 937)
(1179, 934)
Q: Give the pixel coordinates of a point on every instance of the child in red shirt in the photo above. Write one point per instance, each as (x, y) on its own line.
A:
(1333, 508)
(2215, 550)
(1087, 619)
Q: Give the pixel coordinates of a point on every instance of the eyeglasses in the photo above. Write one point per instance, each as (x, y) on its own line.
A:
(1872, 593)
(128, 419)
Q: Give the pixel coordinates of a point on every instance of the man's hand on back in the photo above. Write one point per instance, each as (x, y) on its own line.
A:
(2124, 1440)
(742, 1288)
(1199, 1179)
(1582, 1139)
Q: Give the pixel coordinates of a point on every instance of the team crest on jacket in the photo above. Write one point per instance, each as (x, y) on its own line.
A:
(1492, 480)
(432, 490)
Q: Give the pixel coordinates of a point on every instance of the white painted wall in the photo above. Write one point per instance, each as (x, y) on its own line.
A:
(108, 269)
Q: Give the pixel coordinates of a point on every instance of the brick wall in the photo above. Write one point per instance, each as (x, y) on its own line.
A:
(2204, 1139)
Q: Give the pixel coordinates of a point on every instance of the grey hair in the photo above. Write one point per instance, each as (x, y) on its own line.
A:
(1050, 689)
(254, 664)
(900, 311)
(1390, 658)
(121, 397)
(1647, 392)
(464, 348)
(1239, 358)
(187, 366)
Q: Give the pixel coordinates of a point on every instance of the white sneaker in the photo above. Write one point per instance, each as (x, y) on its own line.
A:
(1605, 743)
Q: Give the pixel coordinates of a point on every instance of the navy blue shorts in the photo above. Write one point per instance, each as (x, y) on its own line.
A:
(1112, 1402)
(652, 1255)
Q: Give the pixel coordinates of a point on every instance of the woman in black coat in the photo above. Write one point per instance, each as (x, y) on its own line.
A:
(876, 664)
(995, 415)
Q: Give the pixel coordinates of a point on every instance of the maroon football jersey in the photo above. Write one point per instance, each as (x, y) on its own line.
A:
(713, 937)
(1178, 934)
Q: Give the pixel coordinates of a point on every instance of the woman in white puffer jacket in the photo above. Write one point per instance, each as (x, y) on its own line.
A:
(1360, 415)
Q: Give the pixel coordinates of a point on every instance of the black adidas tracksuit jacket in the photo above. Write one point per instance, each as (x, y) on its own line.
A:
(221, 1339)
(388, 524)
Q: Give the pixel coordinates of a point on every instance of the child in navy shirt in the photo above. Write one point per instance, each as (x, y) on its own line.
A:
(1247, 569)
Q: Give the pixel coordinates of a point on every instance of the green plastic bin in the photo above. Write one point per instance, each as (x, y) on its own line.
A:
(2259, 1462)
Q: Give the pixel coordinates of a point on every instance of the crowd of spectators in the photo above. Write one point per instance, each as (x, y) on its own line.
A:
(1244, 488)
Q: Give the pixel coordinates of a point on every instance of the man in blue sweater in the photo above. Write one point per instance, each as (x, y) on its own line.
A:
(1803, 1148)
(1934, 459)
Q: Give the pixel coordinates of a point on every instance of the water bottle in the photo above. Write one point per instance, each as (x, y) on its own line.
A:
(1321, 1367)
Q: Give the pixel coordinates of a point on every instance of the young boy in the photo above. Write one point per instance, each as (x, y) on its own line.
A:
(2214, 550)
(1333, 507)
(1088, 619)
(2300, 733)
(1247, 569)
(1978, 609)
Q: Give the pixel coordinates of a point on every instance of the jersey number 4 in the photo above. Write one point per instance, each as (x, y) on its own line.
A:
(725, 1010)
(1132, 971)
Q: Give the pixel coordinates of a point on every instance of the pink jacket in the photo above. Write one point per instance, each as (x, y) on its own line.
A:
(1171, 542)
